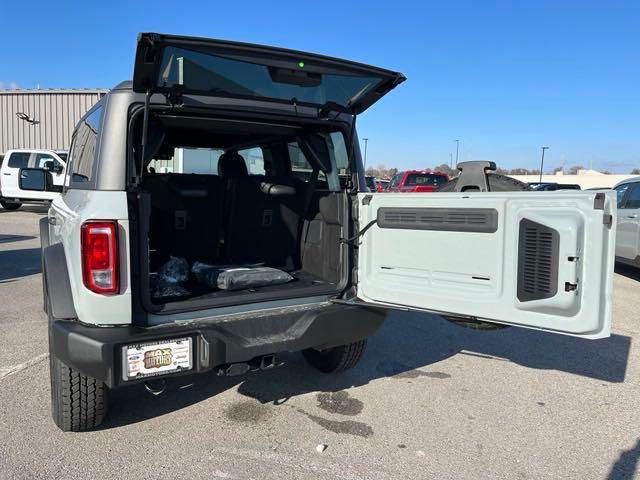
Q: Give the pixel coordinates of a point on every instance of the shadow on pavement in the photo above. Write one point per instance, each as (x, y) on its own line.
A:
(40, 209)
(628, 271)
(14, 238)
(625, 467)
(19, 263)
(406, 344)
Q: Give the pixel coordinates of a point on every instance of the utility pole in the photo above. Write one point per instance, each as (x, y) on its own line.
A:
(457, 148)
(365, 140)
(542, 161)
(451, 161)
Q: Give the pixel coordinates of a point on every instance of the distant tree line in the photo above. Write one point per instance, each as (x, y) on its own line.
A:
(382, 171)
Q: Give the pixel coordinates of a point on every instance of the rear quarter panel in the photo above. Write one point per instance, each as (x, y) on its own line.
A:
(73, 209)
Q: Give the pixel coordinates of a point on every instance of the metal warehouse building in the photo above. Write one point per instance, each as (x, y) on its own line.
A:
(42, 118)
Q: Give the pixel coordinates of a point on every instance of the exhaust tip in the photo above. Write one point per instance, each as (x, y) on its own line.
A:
(155, 387)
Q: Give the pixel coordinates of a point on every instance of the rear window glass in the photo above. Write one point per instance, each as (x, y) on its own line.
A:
(633, 201)
(425, 179)
(205, 161)
(213, 74)
(19, 160)
(83, 152)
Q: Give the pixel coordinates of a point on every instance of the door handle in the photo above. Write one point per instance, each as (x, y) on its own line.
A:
(632, 216)
(7, 174)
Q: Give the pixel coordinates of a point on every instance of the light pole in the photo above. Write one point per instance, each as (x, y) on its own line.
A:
(542, 161)
(365, 140)
(457, 148)
(451, 161)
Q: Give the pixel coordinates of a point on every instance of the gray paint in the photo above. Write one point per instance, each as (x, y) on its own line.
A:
(57, 112)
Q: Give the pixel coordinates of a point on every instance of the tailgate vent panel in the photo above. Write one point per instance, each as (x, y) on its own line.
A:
(538, 253)
(480, 220)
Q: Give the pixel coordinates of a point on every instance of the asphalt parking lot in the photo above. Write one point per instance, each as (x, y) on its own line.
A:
(429, 400)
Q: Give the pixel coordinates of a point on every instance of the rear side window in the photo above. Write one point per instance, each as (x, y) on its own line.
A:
(621, 191)
(19, 160)
(83, 153)
(633, 200)
(254, 158)
(42, 158)
(425, 179)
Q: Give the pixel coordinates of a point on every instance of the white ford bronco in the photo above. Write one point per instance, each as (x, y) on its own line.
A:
(215, 214)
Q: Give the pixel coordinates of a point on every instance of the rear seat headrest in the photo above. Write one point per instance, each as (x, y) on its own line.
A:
(232, 164)
(276, 189)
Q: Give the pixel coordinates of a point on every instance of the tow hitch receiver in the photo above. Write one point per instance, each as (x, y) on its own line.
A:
(266, 362)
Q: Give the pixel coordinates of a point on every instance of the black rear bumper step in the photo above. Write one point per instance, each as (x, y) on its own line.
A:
(97, 351)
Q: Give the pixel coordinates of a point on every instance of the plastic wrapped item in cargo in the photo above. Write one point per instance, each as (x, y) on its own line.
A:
(175, 270)
(233, 277)
(166, 283)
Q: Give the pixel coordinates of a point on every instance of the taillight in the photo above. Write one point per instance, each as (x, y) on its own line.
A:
(100, 256)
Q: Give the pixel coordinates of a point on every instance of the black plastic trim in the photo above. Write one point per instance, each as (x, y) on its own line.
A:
(538, 261)
(57, 278)
(96, 351)
(477, 220)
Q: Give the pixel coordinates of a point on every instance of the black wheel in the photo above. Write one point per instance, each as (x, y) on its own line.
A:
(337, 359)
(10, 205)
(78, 402)
(497, 183)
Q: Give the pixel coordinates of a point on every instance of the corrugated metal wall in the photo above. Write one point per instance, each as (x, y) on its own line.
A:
(57, 112)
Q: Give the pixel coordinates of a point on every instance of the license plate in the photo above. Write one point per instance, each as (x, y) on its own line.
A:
(156, 358)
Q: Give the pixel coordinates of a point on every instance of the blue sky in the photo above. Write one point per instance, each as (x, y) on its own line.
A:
(503, 77)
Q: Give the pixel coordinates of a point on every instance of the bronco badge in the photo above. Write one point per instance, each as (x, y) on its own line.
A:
(161, 357)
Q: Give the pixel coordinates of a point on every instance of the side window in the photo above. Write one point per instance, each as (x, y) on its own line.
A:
(621, 191)
(19, 160)
(254, 158)
(42, 158)
(340, 152)
(84, 149)
(300, 167)
(395, 180)
(633, 200)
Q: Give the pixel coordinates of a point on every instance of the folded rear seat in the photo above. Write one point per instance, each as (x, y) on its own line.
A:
(186, 216)
(264, 220)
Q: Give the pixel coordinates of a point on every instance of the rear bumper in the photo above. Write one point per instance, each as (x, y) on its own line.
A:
(97, 351)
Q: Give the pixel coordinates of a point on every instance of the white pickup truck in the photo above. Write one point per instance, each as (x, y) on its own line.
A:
(11, 195)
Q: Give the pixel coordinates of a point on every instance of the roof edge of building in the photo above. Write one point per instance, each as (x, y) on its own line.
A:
(32, 91)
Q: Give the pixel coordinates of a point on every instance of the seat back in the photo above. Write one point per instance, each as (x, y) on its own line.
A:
(186, 216)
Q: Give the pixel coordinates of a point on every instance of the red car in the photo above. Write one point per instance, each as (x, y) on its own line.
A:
(417, 181)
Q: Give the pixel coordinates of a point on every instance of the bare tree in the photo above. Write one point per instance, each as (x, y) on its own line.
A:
(635, 171)
(574, 170)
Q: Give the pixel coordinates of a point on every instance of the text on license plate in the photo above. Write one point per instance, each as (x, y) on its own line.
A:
(156, 358)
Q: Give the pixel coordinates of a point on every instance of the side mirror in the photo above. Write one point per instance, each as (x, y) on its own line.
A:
(35, 179)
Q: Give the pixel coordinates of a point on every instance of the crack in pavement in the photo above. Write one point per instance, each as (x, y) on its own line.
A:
(7, 371)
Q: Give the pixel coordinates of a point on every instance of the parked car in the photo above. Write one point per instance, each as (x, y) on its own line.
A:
(382, 184)
(628, 224)
(149, 275)
(372, 184)
(552, 187)
(417, 181)
(11, 195)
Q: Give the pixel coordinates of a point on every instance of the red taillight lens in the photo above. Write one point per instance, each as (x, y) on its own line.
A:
(100, 256)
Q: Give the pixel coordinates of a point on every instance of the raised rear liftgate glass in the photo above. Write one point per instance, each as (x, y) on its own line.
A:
(215, 74)
(201, 66)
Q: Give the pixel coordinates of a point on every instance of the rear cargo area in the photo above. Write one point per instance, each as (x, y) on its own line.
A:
(243, 224)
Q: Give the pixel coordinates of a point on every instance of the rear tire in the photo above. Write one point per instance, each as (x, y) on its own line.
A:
(497, 183)
(336, 359)
(10, 205)
(78, 402)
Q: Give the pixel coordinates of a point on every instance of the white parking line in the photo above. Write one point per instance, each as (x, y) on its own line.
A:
(6, 371)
